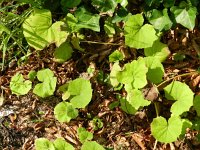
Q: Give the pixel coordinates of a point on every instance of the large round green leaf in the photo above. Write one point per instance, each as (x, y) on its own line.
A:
(164, 131)
(18, 86)
(43, 144)
(137, 35)
(182, 94)
(81, 92)
(64, 112)
(39, 31)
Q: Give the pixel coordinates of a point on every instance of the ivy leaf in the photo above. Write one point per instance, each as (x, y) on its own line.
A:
(70, 3)
(137, 35)
(18, 86)
(158, 50)
(43, 144)
(164, 131)
(81, 92)
(155, 69)
(61, 144)
(84, 135)
(186, 17)
(134, 73)
(92, 145)
(116, 56)
(197, 104)
(160, 20)
(182, 94)
(64, 112)
(63, 52)
(105, 6)
(136, 99)
(39, 31)
(48, 85)
(71, 22)
(87, 20)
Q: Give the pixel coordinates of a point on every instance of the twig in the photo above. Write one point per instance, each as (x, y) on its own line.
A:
(182, 75)
(103, 43)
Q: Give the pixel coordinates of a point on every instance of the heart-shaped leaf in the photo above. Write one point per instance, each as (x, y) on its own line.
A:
(64, 112)
(164, 131)
(39, 31)
(61, 144)
(182, 94)
(134, 73)
(44, 144)
(48, 85)
(81, 92)
(138, 35)
(18, 86)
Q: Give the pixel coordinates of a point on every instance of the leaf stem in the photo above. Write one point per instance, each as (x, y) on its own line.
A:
(182, 75)
(103, 43)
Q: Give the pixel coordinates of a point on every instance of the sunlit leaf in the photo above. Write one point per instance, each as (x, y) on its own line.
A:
(64, 112)
(84, 135)
(92, 145)
(155, 69)
(134, 73)
(181, 94)
(44, 144)
(48, 85)
(138, 35)
(61, 144)
(185, 16)
(81, 92)
(160, 20)
(19, 86)
(158, 50)
(164, 131)
(63, 52)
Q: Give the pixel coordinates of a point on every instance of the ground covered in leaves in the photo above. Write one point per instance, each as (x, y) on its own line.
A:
(30, 117)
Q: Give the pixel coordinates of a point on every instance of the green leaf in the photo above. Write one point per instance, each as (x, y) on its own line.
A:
(48, 85)
(63, 52)
(136, 99)
(3, 28)
(64, 112)
(164, 131)
(134, 73)
(81, 92)
(43, 144)
(160, 20)
(84, 135)
(168, 3)
(113, 74)
(70, 3)
(32, 74)
(116, 56)
(137, 35)
(182, 94)
(155, 69)
(186, 124)
(186, 17)
(87, 20)
(39, 31)
(75, 41)
(18, 86)
(105, 6)
(92, 145)
(127, 107)
(158, 50)
(71, 22)
(61, 144)
(197, 104)
(109, 27)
